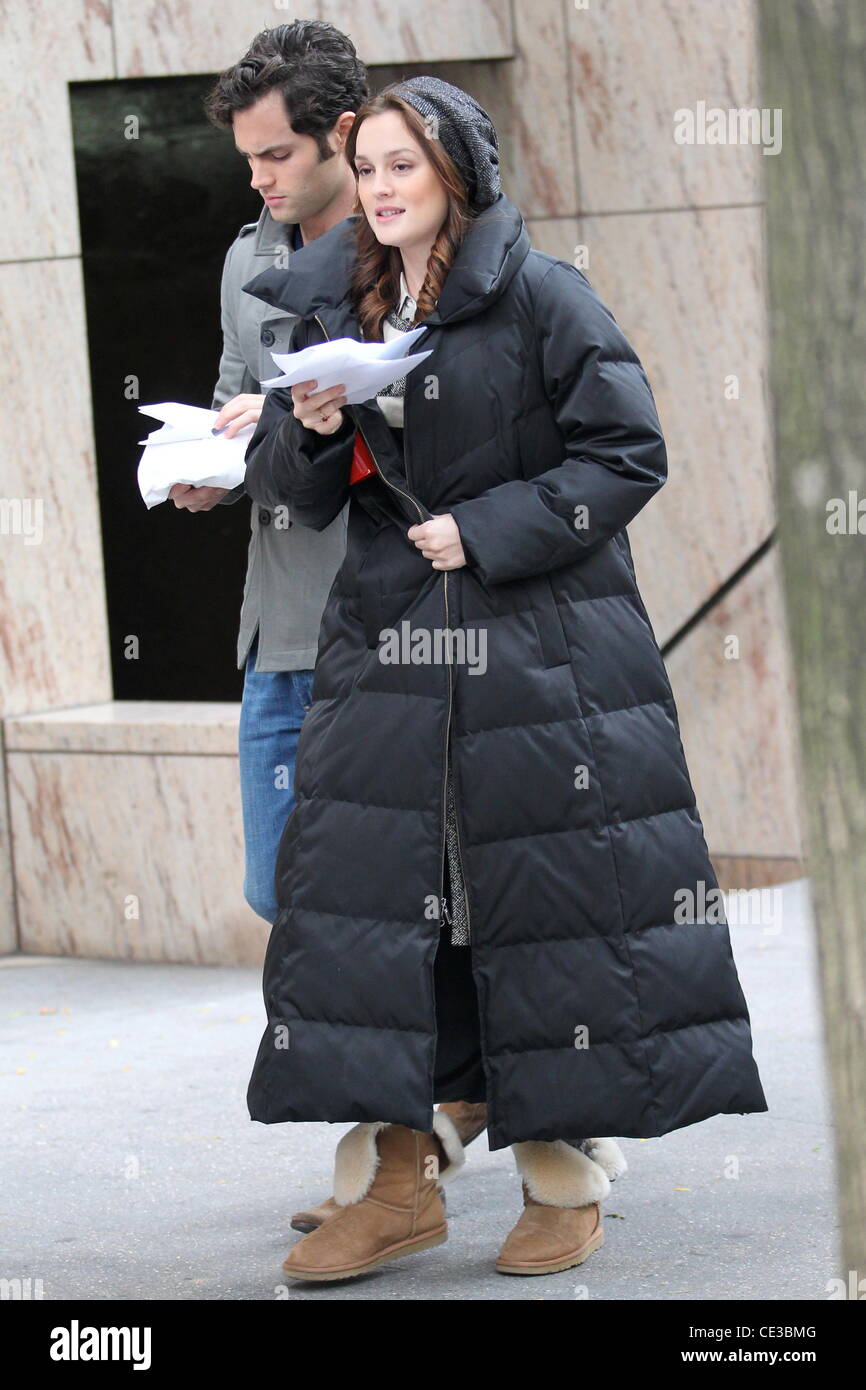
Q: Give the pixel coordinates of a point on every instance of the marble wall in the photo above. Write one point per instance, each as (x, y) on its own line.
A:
(105, 804)
(128, 833)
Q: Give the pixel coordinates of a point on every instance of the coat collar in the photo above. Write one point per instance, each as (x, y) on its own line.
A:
(271, 238)
(317, 277)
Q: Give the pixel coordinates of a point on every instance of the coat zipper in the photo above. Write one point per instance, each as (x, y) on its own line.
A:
(389, 484)
(406, 422)
(443, 899)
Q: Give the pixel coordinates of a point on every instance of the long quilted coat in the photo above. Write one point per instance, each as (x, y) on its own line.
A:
(606, 1007)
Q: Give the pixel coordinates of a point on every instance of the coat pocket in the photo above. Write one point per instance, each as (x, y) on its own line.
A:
(371, 610)
(369, 590)
(548, 620)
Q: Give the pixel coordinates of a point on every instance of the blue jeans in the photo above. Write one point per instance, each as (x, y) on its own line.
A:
(272, 711)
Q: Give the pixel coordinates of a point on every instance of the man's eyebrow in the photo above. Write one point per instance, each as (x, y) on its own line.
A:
(270, 150)
(387, 155)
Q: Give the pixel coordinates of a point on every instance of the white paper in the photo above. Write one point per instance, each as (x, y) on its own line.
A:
(364, 368)
(185, 450)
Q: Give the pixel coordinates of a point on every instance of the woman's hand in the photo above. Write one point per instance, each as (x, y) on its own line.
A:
(320, 410)
(439, 541)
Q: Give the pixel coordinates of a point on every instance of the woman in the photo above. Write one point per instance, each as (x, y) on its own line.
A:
(495, 878)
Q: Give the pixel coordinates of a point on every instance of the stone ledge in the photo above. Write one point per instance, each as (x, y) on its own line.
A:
(129, 726)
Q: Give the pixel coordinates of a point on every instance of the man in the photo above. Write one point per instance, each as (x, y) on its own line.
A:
(289, 103)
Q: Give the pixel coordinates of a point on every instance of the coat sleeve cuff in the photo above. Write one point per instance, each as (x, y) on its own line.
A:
(480, 541)
(468, 550)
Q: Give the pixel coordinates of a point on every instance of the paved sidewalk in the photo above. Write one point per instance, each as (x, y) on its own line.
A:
(130, 1168)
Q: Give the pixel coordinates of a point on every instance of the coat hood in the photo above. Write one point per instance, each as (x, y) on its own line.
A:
(318, 276)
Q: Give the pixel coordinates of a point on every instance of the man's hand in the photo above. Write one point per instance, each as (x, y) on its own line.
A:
(239, 411)
(196, 499)
(439, 541)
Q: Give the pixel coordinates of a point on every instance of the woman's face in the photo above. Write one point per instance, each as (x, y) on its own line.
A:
(393, 172)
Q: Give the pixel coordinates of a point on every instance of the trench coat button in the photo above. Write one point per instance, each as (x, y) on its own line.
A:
(264, 517)
(268, 337)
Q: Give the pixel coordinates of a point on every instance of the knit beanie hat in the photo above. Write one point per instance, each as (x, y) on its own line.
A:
(465, 130)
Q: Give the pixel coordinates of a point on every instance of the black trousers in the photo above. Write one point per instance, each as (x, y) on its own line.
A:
(459, 1073)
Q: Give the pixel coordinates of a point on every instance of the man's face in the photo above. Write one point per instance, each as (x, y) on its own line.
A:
(284, 166)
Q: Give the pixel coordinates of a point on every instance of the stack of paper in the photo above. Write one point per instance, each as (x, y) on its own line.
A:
(186, 451)
(364, 368)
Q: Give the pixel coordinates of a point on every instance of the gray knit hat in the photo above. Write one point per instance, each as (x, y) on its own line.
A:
(465, 130)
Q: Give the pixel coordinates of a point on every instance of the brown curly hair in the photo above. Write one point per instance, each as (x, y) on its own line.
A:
(375, 282)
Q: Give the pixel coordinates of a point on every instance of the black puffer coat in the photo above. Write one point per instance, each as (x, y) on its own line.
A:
(602, 1010)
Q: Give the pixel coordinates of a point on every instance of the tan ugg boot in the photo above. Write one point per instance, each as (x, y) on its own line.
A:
(386, 1200)
(468, 1119)
(561, 1223)
(448, 1126)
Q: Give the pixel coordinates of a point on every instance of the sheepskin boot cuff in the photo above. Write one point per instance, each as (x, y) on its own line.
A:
(558, 1175)
(455, 1155)
(607, 1154)
(356, 1160)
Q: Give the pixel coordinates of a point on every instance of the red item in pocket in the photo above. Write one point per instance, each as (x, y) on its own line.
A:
(362, 461)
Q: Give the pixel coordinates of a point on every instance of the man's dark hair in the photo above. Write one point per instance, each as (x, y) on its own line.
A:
(314, 65)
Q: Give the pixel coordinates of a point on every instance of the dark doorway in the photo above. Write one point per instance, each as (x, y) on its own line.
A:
(158, 213)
